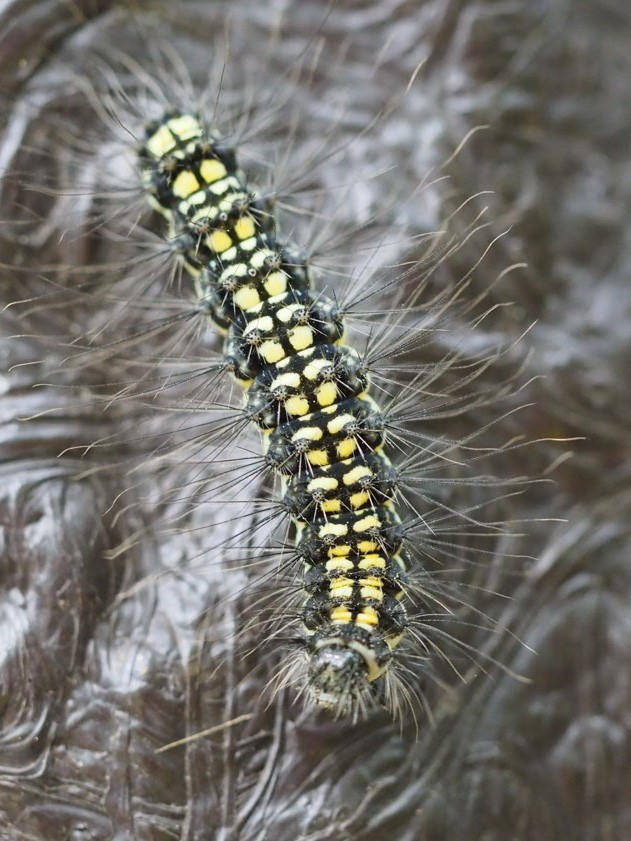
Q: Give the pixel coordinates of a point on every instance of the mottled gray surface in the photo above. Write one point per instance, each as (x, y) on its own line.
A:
(101, 654)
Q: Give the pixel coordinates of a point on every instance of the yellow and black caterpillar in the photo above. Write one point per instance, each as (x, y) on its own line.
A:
(354, 346)
(309, 393)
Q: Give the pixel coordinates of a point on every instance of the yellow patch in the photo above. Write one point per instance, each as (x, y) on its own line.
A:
(248, 244)
(313, 368)
(324, 483)
(366, 547)
(218, 188)
(327, 394)
(196, 198)
(346, 448)
(212, 170)
(300, 337)
(186, 127)
(276, 284)
(371, 594)
(318, 458)
(284, 314)
(231, 197)
(201, 215)
(393, 640)
(291, 379)
(341, 588)
(245, 228)
(338, 423)
(264, 323)
(356, 473)
(185, 184)
(367, 619)
(257, 260)
(161, 143)
(247, 297)
(360, 499)
(339, 563)
(372, 562)
(229, 255)
(369, 522)
(271, 352)
(297, 406)
(341, 551)
(341, 615)
(333, 529)
(342, 581)
(331, 506)
(219, 241)
(309, 433)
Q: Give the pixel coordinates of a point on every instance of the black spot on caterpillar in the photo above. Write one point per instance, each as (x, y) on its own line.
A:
(445, 535)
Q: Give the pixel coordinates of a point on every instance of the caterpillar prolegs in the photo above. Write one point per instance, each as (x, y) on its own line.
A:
(308, 391)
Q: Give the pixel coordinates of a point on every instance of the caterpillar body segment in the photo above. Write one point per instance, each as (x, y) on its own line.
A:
(309, 393)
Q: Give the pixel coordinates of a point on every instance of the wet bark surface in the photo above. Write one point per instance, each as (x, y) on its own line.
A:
(119, 636)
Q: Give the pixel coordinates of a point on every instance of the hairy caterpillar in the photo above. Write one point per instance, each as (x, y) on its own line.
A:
(412, 396)
(309, 392)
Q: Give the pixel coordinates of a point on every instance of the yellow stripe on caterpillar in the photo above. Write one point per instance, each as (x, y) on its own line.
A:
(245, 228)
(346, 448)
(167, 136)
(337, 424)
(313, 369)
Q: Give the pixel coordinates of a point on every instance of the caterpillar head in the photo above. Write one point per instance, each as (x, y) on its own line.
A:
(345, 668)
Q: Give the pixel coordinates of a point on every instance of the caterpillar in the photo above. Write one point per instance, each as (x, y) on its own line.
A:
(134, 681)
(331, 382)
(325, 437)
(308, 391)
